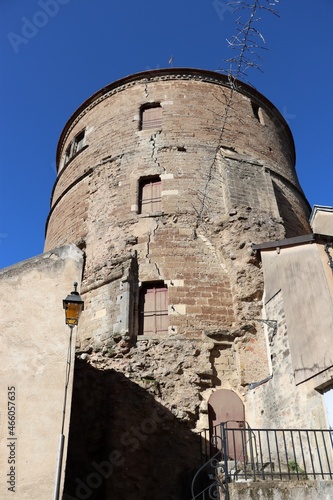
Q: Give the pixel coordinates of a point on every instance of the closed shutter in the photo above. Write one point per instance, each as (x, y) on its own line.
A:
(225, 406)
(154, 310)
(151, 118)
(151, 200)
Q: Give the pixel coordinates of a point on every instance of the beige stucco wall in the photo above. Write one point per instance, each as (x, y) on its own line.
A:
(299, 272)
(322, 220)
(34, 344)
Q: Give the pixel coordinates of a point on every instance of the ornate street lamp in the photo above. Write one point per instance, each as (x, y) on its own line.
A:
(73, 305)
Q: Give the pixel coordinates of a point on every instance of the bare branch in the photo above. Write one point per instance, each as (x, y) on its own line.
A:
(248, 42)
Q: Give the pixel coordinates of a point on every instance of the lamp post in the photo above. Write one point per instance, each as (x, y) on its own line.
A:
(73, 305)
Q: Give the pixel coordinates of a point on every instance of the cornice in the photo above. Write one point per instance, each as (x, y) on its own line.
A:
(171, 74)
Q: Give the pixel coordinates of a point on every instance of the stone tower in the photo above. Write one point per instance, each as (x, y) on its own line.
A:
(165, 180)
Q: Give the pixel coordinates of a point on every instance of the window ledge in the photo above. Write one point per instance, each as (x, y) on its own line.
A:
(165, 336)
(161, 336)
(151, 214)
(150, 131)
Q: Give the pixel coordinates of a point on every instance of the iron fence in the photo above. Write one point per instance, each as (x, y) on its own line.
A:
(277, 453)
(236, 452)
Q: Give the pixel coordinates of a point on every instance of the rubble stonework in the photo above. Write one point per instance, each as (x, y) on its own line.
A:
(227, 180)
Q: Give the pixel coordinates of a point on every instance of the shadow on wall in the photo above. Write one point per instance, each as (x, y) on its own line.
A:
(123, 444)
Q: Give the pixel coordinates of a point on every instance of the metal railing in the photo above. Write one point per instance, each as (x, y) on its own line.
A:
(236, 452)
(278, 453)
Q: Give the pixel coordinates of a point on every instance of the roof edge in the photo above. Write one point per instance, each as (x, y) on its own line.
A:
(289, 242)
(319, 208)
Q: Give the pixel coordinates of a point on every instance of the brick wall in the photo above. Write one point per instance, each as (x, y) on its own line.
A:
(215, 160)
(219, 168)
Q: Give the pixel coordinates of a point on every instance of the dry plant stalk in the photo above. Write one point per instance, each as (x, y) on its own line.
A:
(248, 41)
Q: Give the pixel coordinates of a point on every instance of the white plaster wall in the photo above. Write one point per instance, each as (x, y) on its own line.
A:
(322, 222)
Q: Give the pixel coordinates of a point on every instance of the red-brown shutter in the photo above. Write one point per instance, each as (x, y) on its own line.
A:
(151, 118)
(155, 311)
(161, 310)
(226, 406)
(151, 200)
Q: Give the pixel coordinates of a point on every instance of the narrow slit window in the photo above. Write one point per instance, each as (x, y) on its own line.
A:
(150, 199)
(257, 113)
(151, 117)
(255, 109)
(68, 153)
(153, 309)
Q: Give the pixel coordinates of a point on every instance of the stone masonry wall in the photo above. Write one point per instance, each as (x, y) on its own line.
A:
(273, 490)
(219, 168)
(209, 179)
(269, 404)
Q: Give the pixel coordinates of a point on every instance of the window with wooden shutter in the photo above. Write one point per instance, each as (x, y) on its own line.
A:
(150, 199)
(154, 309)
(151, 117)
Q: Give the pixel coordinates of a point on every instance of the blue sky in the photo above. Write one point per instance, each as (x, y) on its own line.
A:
(56, 53)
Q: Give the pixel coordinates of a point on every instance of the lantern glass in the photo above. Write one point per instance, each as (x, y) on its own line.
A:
(73, 305)
(72, 313)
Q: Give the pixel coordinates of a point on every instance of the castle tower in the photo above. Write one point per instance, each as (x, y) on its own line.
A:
(156, 174)
(165, 180)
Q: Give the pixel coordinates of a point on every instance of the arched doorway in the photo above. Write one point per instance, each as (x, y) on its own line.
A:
(224, 406)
